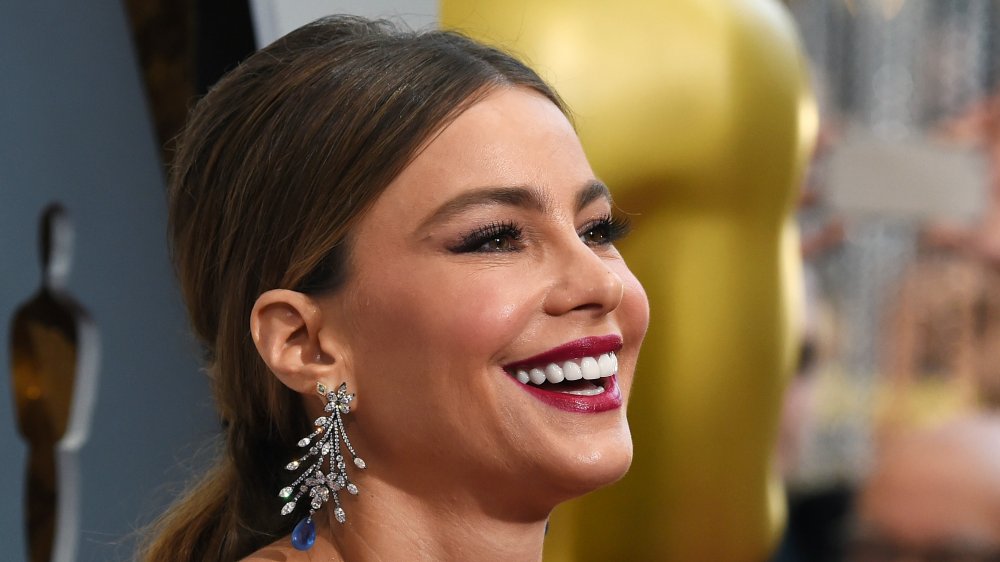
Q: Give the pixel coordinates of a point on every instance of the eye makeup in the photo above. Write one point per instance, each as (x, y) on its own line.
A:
(498, 236)
(507, 236)
(605, 230)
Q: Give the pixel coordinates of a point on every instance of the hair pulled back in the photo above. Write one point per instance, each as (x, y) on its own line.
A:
(277, 164)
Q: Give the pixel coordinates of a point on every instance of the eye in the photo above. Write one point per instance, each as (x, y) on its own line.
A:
(605, 230)
(495, 237)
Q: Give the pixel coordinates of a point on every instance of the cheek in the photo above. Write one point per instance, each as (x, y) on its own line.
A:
(482, 317)
(429, 344)
(634, 307)
(633, 319)
(439, 319)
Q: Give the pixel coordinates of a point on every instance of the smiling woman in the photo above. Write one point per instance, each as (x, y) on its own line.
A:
(407, 223)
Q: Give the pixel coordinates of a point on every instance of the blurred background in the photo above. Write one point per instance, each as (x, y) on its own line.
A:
(900, 223)
(887, 439)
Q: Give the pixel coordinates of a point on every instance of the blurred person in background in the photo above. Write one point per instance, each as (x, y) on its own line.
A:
(934, 489)
(946, 325)
(933, 495)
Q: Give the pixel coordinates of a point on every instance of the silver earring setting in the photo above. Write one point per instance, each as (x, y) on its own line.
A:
(324, 450)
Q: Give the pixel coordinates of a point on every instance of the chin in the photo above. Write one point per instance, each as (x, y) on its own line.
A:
(593, 464)
(565, 464)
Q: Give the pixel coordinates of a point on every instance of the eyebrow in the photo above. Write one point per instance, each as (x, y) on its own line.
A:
(525, 197)
(592, 190)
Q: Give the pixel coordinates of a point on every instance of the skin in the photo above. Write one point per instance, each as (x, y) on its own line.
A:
(937, 488)
(463, 463)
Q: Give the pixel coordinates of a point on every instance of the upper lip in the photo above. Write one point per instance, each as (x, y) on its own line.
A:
(590, 346)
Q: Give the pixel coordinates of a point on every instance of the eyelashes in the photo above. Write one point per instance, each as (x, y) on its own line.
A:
(503, 236)
(507, 236)
(606, 230)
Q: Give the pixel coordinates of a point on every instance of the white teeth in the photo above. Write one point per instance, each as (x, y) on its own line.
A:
(586, 368)
(554, 373)
(587, 391)
(606, 364)
(572, 371)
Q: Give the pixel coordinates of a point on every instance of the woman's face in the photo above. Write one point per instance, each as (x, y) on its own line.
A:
(491, 255)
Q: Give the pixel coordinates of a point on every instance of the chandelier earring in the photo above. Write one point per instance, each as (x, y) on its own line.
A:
(325, 474)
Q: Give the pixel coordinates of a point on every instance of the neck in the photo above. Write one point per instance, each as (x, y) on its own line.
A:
(385, 524)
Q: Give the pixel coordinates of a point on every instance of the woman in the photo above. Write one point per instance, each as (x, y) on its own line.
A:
(408, 219)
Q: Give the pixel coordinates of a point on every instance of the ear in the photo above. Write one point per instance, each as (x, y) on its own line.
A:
(288, 330)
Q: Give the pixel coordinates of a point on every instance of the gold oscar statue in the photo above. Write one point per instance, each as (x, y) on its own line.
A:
(699, 116)
(52, 348)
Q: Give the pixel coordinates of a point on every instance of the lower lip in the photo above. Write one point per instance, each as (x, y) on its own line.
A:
(610, 399)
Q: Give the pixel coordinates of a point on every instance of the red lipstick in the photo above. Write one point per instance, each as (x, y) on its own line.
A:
(610, 399)
(593, 346)
(584, 347)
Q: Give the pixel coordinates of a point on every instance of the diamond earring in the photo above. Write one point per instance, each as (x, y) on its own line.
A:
(323, 448)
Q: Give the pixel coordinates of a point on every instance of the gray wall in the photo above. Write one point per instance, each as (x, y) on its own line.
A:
(274, 18)
(74, 128)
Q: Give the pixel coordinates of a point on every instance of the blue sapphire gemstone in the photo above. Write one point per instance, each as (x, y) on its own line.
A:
(304, 534)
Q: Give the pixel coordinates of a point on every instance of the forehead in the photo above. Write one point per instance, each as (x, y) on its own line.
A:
(512, 136)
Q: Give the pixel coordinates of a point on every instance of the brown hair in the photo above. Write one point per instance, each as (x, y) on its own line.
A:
(277, 164)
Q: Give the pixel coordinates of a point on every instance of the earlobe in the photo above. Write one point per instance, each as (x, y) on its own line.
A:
(285, 327)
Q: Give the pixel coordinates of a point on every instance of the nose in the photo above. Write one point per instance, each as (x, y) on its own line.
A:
(582, 281)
